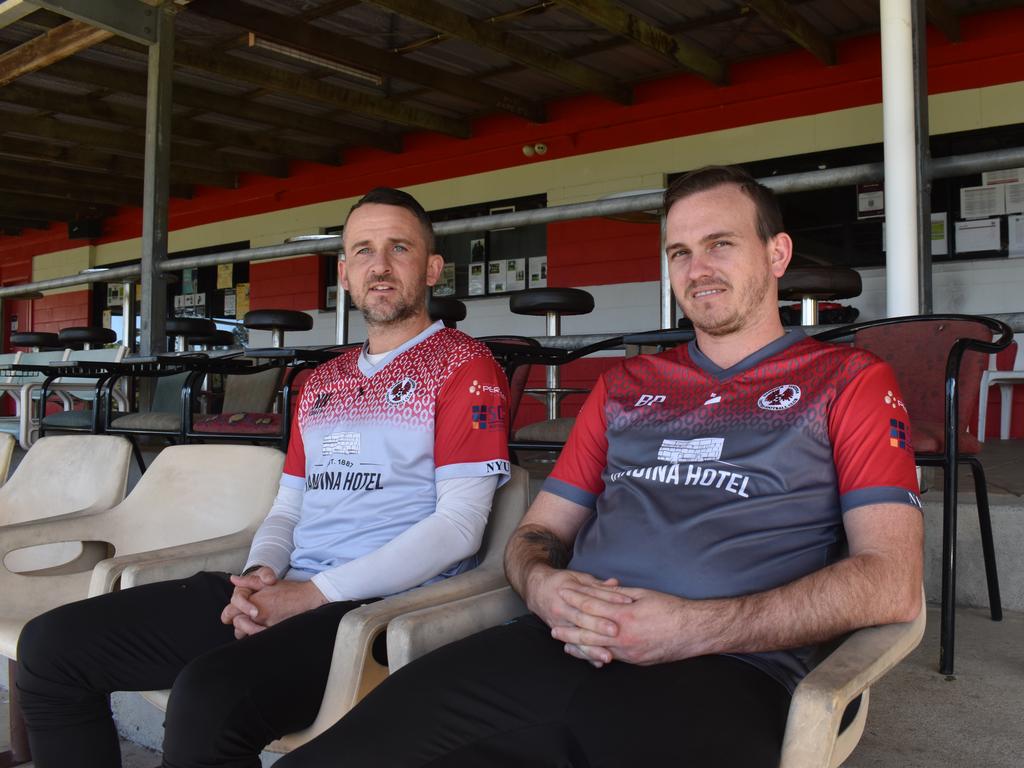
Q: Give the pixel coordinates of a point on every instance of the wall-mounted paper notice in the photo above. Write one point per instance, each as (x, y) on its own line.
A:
(972, 236)
(1016, 236)
(940, 237)
(476, 278)
(1014, 197)
(979, 202)
(1005, 176)
(496, 276)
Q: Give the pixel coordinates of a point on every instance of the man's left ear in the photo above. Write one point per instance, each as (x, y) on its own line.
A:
(435, 264)
(780, 248)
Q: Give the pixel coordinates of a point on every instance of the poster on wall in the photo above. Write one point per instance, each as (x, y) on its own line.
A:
(241, 299)
(115, 294)
(979, 202)
(477, 251)
(1014, 197)
(225, 276)
(870, 201)
(445, 286)
(515, 274)
(477, 287)
(1016, 239)
(539, 272)
(229, 302)
(940, 238)
(496, 276)
(974, 236)
(188, 281)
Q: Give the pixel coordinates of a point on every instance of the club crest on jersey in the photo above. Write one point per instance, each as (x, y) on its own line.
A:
(400, 391)
(779, 398)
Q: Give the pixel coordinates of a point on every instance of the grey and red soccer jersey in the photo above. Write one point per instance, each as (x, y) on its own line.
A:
(370, 441)
(714, 483)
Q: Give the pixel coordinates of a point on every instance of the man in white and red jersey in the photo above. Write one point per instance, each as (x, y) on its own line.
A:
(394, 457)
(720, 512)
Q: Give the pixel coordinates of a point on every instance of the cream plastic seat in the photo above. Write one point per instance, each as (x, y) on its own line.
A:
(23, 388)
(6, 452)
(354, 671)
(60, 476)
(813, 738)
(196, 500)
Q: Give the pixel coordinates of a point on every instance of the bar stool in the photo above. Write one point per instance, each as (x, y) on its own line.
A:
(552, 303)
(215, 339)
(88, 336)
(36, 340)
(448, 310)
(277, 321)
(809, 285)
(184, 330)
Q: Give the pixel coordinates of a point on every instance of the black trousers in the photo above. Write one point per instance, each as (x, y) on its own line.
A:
(229, 697)
(510, 696)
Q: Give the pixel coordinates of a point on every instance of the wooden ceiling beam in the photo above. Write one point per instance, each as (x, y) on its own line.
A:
(181, 127)
(301, 86)
(615, 19)
(780, 15)
(36, 207)
(13, 225)
(71, 193)
(50, 47)
(114, 79)
(304, 37)
(44, 128)
(118, 165)
(456, 24)
(944, 18)
(29, 171)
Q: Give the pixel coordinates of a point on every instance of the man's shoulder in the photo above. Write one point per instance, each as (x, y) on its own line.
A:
(844, 359)
(450, 348)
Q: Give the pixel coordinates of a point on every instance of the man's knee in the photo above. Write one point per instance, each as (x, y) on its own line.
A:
(44, 641)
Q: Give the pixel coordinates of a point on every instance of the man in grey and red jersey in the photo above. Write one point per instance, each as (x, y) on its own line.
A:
(719, 512)
(395, 454)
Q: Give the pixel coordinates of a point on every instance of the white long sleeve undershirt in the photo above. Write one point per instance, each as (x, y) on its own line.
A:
(451, 534)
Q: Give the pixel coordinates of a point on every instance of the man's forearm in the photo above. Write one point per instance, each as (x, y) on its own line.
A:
(531, 546)
(864, 590)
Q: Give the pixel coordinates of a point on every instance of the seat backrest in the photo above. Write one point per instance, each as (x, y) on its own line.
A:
(66, 473)
(193, 493)
(507, 510)
(102, 355)
(251, 392)
(918, 350)
(10, 358)
(167, 393)
(6, 452)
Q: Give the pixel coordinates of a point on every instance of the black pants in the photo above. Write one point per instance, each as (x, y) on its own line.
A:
(229, 698)
(510, 696)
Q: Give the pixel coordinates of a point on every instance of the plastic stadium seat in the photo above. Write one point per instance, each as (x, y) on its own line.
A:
(6, 452)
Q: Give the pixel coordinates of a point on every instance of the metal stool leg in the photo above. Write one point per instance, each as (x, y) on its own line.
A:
(948, 610)
(987, 543)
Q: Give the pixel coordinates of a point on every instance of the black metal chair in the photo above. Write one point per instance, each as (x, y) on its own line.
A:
(938, 361)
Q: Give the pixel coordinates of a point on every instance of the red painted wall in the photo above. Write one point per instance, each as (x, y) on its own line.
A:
(291, 284)
(61, 310)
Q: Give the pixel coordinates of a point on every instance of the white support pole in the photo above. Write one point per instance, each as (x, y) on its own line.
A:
(898, 100)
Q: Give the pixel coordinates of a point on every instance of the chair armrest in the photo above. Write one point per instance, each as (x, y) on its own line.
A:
(353, 671)
(821, 698)
(169, 562)
(228, 560)
(418, 633)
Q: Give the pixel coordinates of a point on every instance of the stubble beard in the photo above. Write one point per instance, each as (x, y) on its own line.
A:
(398, 312)
(751, 297)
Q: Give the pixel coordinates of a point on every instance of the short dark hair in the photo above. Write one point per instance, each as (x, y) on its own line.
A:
(769, 217)
(399, 199)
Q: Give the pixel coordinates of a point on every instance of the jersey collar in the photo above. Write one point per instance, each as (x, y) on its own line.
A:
(789, 338)
(368, 369)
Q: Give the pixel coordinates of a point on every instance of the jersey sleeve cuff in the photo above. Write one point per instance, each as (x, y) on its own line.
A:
(291, 481)
(499, 467)
(879, 495)
(327, 589)
(570, 492)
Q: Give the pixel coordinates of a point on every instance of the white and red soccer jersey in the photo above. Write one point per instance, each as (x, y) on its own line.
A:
(370, 441)
(716, 483)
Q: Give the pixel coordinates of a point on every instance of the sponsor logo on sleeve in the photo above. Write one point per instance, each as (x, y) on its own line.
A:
(897, 433)
(401, 391)
(779, 398)
(476, 388)
(894, 402)
(488, 417)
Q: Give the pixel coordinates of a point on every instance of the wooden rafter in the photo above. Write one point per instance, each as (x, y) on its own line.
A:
(48, 129)
(780, 15)
(298, 85)
(115, 79)
(615, 19)
(50, 174)
(134, 118)
(107, 162)
(94, 195)
(456, 24)
(37, 206)
(301, 36)
(52, 46)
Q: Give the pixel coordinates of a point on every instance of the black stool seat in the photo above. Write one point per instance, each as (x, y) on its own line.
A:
(190, 326)
(215, 339)
(446, 309)
(36, 339)
(821, 283)
(540, 301)
(87, 335)
(277, 320)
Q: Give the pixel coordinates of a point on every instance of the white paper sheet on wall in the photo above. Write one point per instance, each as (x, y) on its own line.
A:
(979, 202)
(1014, 197)
(1016, 240)
(974, 236)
